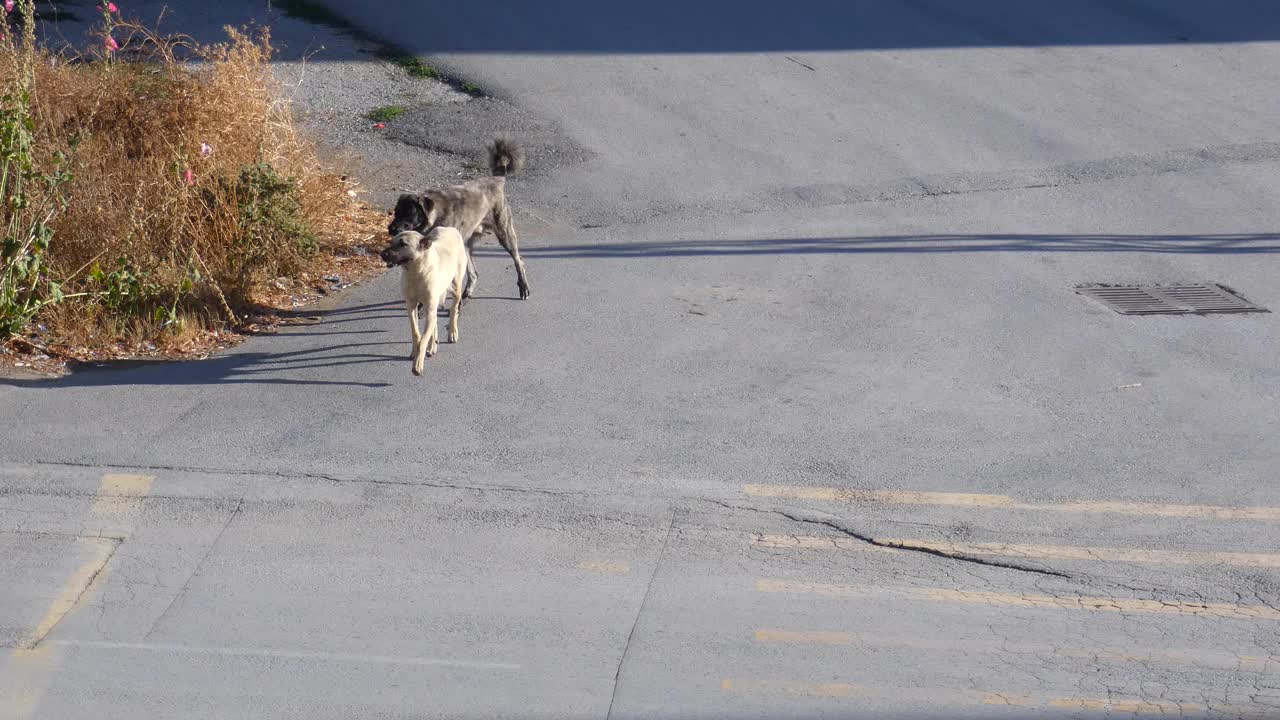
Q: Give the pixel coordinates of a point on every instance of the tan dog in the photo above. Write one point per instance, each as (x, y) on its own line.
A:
(430, 265)
(474, 208)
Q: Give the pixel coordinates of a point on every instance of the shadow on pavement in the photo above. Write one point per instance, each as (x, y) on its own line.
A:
(731, 26)
(1244, 244)
(293, 367)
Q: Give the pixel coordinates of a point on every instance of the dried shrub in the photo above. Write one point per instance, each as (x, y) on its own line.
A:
(189, 188)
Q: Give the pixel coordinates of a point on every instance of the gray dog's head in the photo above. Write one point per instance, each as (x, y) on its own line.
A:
(404, 247)
(413, 212)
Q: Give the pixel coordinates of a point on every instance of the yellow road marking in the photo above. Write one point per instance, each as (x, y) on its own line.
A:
(25, 674)
(910, 497)
(1166, 607)
(804, 638)
(604, 566)
(32, 661)
(120, 499)
(1133, 707)
(1187, 657)
(791, 687)
(945, 696)
(1039, 552)
(75, 587)
(124, 485)
(1137, 707)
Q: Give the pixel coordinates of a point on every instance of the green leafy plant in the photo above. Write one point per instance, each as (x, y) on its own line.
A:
(269, 213)
(386, 113)
(124, 290)
(411, 63)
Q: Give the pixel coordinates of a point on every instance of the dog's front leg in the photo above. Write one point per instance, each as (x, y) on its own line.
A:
(430, 339)
(413, 323)
(425, 346)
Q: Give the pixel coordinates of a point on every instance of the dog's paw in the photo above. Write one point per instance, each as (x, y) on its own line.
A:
(524, 290)
(453, 337)
(417, 370)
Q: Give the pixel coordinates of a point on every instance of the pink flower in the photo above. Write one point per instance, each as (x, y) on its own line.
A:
(189, 176)
(111, 7)
(110, 44)
(206, 149)
(8, 6)
(379, 126)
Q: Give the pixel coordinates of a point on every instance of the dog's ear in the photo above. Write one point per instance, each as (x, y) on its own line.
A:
(427, 206)
(403, 205)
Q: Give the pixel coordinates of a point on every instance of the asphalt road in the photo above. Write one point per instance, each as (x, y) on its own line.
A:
(803, 289)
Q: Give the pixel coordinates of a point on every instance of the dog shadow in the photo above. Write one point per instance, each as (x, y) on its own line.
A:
(322, 339)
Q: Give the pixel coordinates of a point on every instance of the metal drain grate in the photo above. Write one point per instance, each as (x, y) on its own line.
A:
(1169, 299)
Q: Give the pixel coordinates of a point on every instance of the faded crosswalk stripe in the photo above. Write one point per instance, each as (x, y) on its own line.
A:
(911, 497)
(1065, 602)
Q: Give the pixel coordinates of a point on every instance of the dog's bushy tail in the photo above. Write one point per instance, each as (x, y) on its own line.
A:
(505, 157)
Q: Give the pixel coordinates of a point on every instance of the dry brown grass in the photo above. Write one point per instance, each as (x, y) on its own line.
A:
(194, 196)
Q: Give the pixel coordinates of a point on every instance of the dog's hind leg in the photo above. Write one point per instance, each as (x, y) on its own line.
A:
(454, 311)
(506, 232)
(473, 276)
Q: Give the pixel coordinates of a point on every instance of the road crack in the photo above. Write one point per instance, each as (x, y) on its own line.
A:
(801, 64)
(648, 589)
(893, 545)
(195, 571)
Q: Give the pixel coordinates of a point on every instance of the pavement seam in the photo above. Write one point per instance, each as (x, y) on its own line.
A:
(314, 476)
(617, 676)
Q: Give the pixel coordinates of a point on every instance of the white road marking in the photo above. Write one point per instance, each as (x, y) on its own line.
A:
(358, 658)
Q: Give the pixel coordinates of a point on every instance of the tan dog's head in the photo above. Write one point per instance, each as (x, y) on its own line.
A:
(405, 247)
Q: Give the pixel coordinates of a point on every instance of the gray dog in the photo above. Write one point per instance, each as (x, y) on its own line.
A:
(474, 208)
